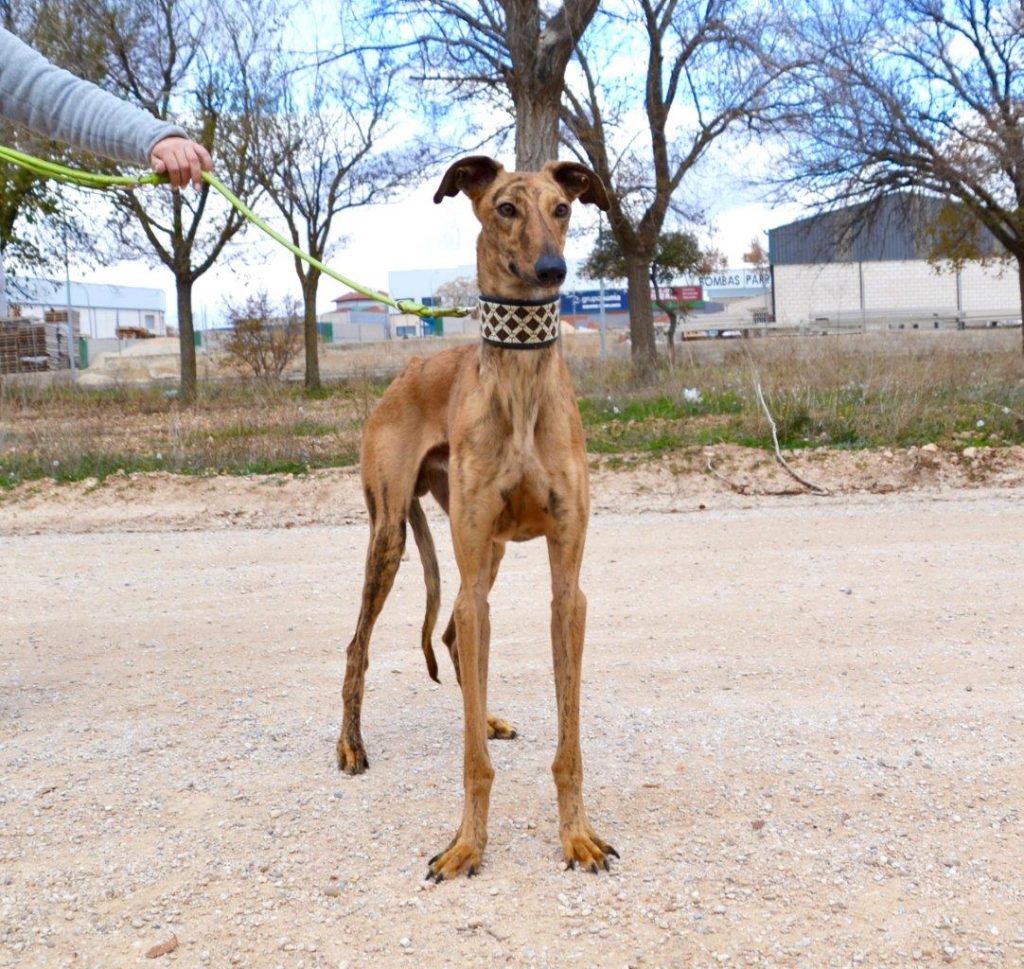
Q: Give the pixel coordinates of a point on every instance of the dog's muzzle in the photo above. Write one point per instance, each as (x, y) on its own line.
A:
(519, 324)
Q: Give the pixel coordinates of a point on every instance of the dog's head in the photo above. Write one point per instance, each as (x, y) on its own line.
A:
(524, 218)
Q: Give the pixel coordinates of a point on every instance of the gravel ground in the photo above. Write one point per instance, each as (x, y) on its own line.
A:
(802, 728)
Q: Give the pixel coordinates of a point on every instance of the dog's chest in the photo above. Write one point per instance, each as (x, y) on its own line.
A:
(514, 441)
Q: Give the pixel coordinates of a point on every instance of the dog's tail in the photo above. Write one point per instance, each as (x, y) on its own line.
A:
(432, 577)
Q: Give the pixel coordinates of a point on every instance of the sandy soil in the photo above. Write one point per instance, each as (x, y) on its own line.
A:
(722, 476)
(802, 728)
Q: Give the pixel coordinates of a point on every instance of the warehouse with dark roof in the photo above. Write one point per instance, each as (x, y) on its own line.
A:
(868, 266)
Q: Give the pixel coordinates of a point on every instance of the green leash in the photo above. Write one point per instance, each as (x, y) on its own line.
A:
(75, 176)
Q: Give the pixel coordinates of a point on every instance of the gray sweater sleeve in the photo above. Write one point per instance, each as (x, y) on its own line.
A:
(55, 103)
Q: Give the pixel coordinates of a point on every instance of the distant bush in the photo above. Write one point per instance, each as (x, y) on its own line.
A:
(263, 339)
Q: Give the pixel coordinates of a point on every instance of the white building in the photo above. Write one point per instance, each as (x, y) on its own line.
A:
(869, 267)
(102, 310)
(355, 319)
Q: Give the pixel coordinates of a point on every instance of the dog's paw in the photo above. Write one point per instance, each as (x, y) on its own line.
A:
(586, 851)
(459, 858)
(498, 729)
(351, 757)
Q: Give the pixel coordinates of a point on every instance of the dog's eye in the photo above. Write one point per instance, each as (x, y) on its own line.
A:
(561, 210)
(507, 209)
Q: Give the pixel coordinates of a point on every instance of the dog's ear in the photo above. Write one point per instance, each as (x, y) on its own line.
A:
(580, 182)
(471, 175)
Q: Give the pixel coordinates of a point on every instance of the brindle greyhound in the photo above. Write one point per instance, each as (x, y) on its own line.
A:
(494, 433)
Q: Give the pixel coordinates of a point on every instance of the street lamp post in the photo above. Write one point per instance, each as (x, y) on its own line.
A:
(72, 349)
(601, 318)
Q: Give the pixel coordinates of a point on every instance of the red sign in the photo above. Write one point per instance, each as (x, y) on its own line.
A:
(683, 294)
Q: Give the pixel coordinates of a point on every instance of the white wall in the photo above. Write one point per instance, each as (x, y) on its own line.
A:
(804, 293)
(834, 291)
(101, 322)
(987, 289)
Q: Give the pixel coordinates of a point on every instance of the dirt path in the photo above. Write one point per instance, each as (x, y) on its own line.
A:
(802, 729)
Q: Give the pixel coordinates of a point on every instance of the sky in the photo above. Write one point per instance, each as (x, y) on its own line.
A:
(412, 233)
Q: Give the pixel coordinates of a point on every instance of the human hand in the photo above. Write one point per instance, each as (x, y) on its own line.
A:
(183, 161)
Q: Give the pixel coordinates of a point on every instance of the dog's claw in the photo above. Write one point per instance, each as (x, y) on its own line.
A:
(457, 859)
(352, 759)
(434, 876)
(499, 729)
(588, 852)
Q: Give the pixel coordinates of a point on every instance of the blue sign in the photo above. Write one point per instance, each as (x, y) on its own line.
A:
(589, 301)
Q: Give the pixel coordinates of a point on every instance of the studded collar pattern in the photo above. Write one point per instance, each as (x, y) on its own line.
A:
(518, 324)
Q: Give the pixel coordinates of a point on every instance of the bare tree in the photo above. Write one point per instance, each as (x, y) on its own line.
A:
(758, 259)
(264, 339)
(182, 60)
(462, 291)
(318, 156)
(514, 49)
(29, 207)
(926, 95)
(756, 256)
(708, 67)
(37, 223)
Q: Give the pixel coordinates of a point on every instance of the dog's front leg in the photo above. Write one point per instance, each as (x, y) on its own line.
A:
(472, 622)
(580, 844)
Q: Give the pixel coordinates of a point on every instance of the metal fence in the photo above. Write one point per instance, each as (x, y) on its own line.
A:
(856, 322)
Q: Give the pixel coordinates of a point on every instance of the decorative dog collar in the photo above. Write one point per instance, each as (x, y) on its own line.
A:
(518, 324)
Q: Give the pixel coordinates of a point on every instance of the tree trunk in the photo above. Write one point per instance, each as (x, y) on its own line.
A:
(310, 336)
(537, 114)
(673, 318)
(186, 342)
(1020, 283)
(670, 336)
(539, 58)
(641, 319)
(3, 288)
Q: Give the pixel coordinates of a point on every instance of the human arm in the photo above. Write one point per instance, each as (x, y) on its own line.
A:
(59, 105)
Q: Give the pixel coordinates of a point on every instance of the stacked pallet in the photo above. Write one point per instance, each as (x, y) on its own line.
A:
(60, 319)
(27, 346)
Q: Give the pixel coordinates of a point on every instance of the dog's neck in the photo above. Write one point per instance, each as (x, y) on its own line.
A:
(519, 324)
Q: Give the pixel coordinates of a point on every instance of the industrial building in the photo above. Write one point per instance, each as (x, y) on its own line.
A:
(867, 266)
(100, 311)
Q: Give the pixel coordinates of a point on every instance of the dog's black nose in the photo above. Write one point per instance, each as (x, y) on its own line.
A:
(550, 269)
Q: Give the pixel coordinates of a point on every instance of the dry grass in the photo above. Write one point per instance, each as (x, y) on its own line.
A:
(884, 390)
(875, 390)
(235, 428)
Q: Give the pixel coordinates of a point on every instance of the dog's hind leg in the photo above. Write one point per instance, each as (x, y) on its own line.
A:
(432, 579)
(387, 541)
(497, 727)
